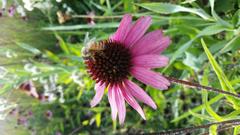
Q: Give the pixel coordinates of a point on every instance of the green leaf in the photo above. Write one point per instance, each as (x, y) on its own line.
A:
(225, 83)
(98, 119)
(234, 42)
(191, 61)
(128, 5)
(52, 56)
(167, 8)
(236, 18)
(201, 116)
(217, 18)
(180, 51)
(205, 100)
(236, 130)
(28, 48)
(213, 130)
(198, 108)
(62, 44)
(232, 115)
(83, 26)
(211, 30)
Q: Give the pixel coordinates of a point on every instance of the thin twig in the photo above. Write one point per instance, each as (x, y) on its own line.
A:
(75, 130)
(96, 17)
(220, 129)
(190, 129)
(196, 85)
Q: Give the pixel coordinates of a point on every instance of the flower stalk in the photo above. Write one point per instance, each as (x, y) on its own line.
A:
(228, 123)
(201, 87)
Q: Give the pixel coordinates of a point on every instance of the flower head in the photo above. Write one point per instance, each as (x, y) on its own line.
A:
(29, 88)
(11, 11)
(127, 53)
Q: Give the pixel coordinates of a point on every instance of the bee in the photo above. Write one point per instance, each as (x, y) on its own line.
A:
(92, 48)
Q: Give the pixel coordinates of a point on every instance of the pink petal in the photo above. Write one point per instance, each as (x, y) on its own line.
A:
(150, 61)
(123, 29)
(132, 102)
(33, 90)
(147, 40)
(99, 94)
(151, 78)
(164, 44)
(112, 101)
(153, 42)
(120, 105)
(139, 93)
(34, 93)
(138, 30)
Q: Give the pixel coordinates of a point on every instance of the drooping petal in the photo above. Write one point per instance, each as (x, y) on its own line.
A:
(139, 93)
(112, 101)
(153, 42)
(120, 105)
(131, 101)
(137, 30)
(99, 88)
(34, 93)
(150, 78)
(123, 29)
(150, 61)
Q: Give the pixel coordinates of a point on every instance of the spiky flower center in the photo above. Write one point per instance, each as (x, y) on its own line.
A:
(110, 63)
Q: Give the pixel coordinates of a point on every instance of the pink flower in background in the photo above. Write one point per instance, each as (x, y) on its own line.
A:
(90, 19)
(128, 52)
(49, 114)
(29, 88)
(11, 11)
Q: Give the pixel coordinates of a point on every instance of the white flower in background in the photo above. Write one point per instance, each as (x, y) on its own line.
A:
(58, 1)
(51, 89)
(31, 68)
(40, 4)
(77, 77)
(10, 54)
(43, 5)
(4, 4)
(5, 108)
(60, 90)
(21, 11)
(28, 4)
(42, 80)
(51, 97)
(3, 72)
(65, 5)
(69, 10)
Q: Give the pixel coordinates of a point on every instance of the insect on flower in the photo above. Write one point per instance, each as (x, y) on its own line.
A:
(93, 49)
(127, 53)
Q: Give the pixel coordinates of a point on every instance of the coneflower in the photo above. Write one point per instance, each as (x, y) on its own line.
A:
(127, 53)
(130, 53)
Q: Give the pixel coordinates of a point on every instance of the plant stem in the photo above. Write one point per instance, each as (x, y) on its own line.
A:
(201, 87)
(96, 17)
(190, 129)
